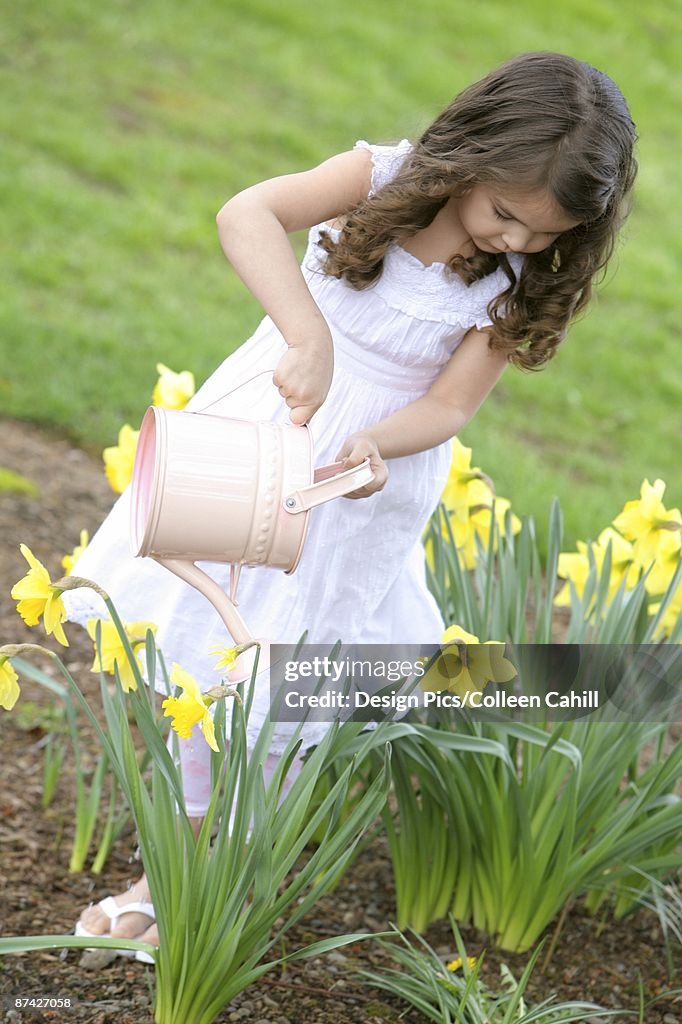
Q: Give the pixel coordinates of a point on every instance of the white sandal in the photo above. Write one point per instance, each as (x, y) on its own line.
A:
(114, 911)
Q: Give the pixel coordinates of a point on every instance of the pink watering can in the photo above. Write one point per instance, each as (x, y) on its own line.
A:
(209, 488)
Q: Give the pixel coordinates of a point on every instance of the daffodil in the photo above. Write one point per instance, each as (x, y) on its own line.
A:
(9, 684)
(227, 658)
(667, 559)
(464, 536)
(671, 615)
(112, 652)
(455, 965)
(468, 500)
(37, 596)
(481, 513)
(173, 390)
(456, 495)
(575, 566)
(473, 522)
(466, 665)
(119, 459)
(68, 561)
(190, 708)
(646, 520)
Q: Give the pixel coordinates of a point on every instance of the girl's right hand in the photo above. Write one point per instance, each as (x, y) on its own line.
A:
(303, 377)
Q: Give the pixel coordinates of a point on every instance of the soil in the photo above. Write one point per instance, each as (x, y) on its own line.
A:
(595, 958)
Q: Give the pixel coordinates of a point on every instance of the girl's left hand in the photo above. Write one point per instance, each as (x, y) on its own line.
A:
(355, 450)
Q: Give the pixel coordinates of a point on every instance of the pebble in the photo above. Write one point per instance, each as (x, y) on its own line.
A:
(668, 1018)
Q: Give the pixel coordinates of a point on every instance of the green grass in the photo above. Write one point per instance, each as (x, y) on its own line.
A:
(125, 127)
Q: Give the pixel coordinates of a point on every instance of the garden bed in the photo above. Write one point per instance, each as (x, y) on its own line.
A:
(594, 959)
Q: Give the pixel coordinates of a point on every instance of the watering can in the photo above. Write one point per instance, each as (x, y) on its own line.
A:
(210, 488)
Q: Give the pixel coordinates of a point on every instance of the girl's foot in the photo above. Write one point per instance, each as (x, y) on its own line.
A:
(132, 924)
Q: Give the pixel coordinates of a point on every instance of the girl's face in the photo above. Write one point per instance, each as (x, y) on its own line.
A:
(498, 220)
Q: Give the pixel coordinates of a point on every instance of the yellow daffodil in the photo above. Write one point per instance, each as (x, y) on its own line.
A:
(646, 520)
(227, 658)
(456, 497)
(455, 965)
(68, 561)
(119, 459)
(468, 500)
(671, 615)
(476, 522)
(173, 390)
(190, 708)
(575, 566)
(464, 535)
(667, 559)
(454, 633)
(9, 684)
(481, 513)
(37, 596)
(466, 665)
(113, 653)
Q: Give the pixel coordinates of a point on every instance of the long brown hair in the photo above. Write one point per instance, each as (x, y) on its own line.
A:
(540, 121)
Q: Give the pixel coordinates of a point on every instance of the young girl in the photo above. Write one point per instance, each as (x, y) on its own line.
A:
(430, 266)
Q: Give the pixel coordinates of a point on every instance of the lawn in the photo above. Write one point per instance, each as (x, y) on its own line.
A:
(126, 126)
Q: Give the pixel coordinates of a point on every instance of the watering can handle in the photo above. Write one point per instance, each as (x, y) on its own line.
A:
(330, 482)
(232, 390)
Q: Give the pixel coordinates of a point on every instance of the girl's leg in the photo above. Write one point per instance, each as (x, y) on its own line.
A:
(195, 768)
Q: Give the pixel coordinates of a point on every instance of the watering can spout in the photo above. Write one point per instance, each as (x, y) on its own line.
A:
(196, 577)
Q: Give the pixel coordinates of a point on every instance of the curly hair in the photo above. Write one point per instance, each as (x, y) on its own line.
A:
(540, 121)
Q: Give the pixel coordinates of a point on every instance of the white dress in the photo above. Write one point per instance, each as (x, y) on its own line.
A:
(361, 578)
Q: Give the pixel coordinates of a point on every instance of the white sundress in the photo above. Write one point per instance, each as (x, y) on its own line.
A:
(361, 577)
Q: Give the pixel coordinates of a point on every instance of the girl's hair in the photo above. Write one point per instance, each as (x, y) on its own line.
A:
(540, 121)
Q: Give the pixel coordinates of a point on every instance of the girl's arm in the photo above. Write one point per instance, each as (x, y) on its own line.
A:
(451, 401)
(253, 228)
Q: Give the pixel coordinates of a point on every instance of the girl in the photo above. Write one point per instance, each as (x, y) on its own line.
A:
(431, 266)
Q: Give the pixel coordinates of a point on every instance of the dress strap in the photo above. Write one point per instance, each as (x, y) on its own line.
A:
(386, 161)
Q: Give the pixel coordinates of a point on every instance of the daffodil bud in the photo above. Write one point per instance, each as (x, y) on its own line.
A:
(16, 650)
(76, 582)
(221, 691)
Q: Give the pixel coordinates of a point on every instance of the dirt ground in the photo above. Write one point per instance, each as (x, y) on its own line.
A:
(595, 958)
